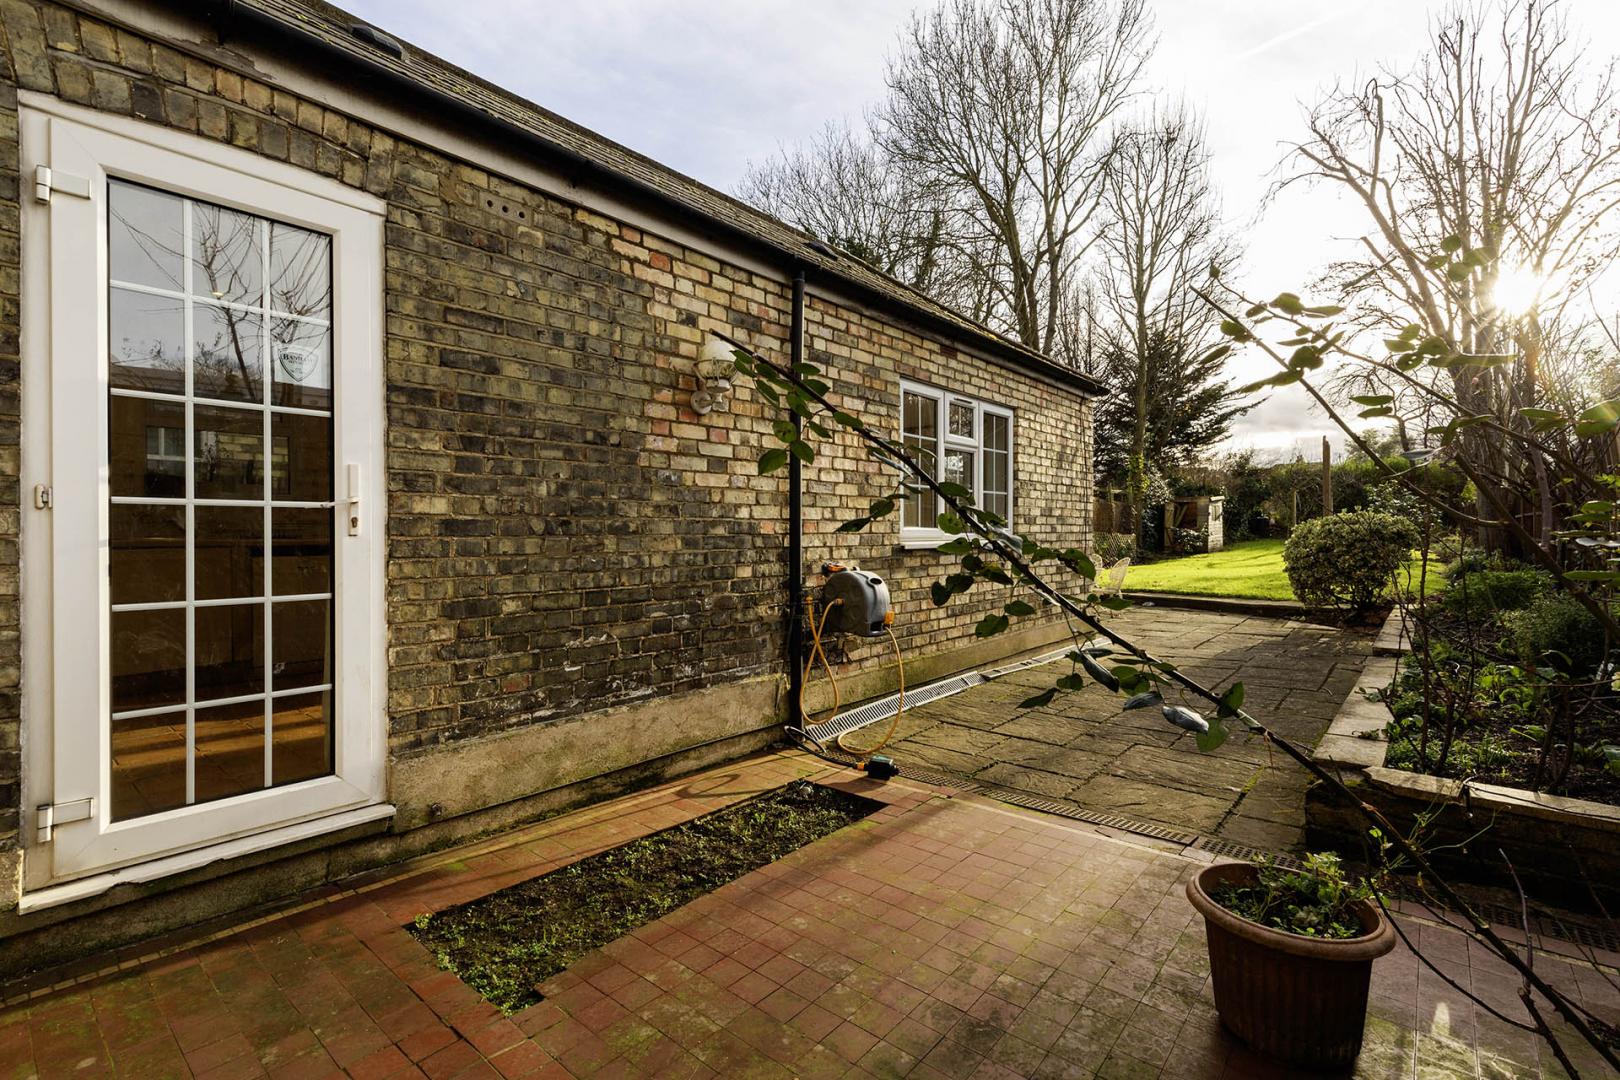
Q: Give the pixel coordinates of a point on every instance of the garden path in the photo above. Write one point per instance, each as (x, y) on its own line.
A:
(1082, 749)
(946, 936)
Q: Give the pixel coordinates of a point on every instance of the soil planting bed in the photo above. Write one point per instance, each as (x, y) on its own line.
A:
(507, 943)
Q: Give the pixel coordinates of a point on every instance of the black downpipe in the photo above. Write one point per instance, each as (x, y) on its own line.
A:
(795, 549)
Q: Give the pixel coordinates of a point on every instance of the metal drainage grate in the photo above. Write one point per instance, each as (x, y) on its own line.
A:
(885, 707)
(1025, 665)
(1581, 932)
(1090, 817)
(1230, 850)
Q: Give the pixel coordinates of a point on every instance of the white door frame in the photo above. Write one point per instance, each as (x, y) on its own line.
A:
(64, 548)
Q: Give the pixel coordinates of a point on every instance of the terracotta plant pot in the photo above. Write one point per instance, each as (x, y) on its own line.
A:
(1298, 1000)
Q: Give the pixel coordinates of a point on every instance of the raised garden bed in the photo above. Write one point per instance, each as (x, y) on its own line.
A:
(507, 943)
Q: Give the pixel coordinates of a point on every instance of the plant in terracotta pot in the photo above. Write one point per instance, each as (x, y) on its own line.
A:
(1291, 954)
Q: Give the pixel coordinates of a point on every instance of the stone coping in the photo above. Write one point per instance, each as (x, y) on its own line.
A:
(1235, 605)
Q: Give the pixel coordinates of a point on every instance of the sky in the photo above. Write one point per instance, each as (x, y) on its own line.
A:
(706, 86)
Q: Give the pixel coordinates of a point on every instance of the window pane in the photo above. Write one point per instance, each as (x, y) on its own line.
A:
(144, 237)
(920, 436)
(301, 737)
(996, 503)
(230, 552)
(146, 343)
(227, 255)
(301, 457)
(148, 765)
(958, 468)
(300, 272)
(302, 551)
(302, 632)
(147, 554)
(301, 355)
(961, 419)
(147, 443)
(230, 750)
(148, 659)
(228, 453)
(997, 430)
(226, 354)
(230, 651)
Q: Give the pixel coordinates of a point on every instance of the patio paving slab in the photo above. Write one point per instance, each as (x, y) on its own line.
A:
(945, 936)
(1083, 749)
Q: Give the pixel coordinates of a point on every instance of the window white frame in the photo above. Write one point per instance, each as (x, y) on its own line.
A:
(912, 536)
(65, 447)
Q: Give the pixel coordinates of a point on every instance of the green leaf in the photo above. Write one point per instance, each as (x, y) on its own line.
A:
(1233, 329)
(1114, 603)
(1212, 738)
(802, 451)
(785, 431)
(939, 593)
(1186, 719)
(1611, 758)
(846, 419)
(1079, 562)
(1599, 419)
(960, 546)
(1459, 271)
(881, 508)
(768, 392)
(1382, 410)
(949, 522)
(1043, 698)
(1451, 244)
(1289, 304)
(1097, 672)
(855, 525)
(1232, 700)
(1019, 607)
(771, 460)
(955, 491)
(1324, 310)
(1373, 399)
(991, 625)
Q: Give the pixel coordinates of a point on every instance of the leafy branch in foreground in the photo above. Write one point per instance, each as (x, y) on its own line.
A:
(988, 551)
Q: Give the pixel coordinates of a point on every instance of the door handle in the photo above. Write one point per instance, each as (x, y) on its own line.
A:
(354, 500)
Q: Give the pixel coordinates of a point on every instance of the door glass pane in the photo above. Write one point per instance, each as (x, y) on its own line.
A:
(148, 658)
(148, 764)
(227, 255)
(230, 651)
(145, 236)
(919, 433)
(146, 344)
(302, 362)
(226, 352)
(301, 457)
(229, 453)
(302, 631)
(147, 555)
(958, 468)
(301, 737)
(148, 444)
(301, 550)
(212, 304)
(230, 750)
(230, 552)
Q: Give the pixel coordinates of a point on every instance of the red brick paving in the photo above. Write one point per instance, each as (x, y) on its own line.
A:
(942, 937)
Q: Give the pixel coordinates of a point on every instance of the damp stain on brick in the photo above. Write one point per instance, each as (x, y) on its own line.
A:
(506, 944)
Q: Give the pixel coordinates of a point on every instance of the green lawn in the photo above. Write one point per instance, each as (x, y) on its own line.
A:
(1250, 569)
(1253, 568)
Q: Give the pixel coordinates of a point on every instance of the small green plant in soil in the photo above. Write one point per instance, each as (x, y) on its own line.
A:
(1317, 902)
(505, 944)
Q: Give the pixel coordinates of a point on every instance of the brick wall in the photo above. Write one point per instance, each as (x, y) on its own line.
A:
(564, 533)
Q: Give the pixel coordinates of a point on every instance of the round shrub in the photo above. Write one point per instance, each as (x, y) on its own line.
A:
(1482, 594)
(1346, 561)
(1556, 630)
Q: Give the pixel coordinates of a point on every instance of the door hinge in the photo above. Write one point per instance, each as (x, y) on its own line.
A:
(47, 180)
(53, 814)
(44, 497)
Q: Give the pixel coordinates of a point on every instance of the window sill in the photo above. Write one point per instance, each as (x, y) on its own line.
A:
(925, 543)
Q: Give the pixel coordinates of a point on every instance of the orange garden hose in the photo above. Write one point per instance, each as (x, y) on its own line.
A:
(816, 651)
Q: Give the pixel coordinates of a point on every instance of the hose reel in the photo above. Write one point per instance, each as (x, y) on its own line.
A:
(853, 602)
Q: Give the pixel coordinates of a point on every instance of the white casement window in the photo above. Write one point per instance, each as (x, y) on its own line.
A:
(960, 440)
(203, 424)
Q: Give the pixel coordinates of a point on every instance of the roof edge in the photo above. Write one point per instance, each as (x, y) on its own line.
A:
(923, 309)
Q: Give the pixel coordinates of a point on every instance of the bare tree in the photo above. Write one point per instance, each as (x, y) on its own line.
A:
(1500, 148)
(1161, 235)
(1002, 112)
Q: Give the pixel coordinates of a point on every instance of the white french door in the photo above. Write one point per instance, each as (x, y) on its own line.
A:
(210, 514)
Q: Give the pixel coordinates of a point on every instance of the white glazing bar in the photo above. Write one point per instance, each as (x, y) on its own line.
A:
(217, 403)
(212, 703)
(267, 365)
(289, 504)
(225, 601)
(153, 290)
(187, 336)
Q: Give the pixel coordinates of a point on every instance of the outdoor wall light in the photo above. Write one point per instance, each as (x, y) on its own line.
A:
(713, 370)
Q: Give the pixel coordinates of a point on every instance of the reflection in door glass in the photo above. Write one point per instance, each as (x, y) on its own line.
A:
(220, 472)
